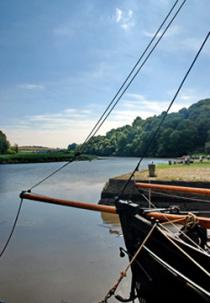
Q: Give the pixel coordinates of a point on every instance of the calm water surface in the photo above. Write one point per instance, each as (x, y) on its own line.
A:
(60, 254)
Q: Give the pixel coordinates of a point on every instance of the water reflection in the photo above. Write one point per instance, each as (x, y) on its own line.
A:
(112, 223)
(59, 253)
(110, 218)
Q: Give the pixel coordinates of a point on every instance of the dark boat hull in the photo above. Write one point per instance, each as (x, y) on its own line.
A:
(161, 271)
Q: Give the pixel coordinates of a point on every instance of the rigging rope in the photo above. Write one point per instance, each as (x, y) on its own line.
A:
(183, 251)
(154, 135)
(172, 223)
(54, 172)
(177, 196)
(106, 113)
(123, 274)
(13, 228)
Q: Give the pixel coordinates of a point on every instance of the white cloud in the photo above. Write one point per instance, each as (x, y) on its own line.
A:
(60, 129)
(151, 34)
(186, 44)
(31, 86)
(193, 44)
(189, 96)
(124, 18)
(180, 41)
(172, 31)
(118, 15)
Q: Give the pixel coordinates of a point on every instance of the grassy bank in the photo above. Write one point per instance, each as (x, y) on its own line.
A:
(177, 172)
(31, 157)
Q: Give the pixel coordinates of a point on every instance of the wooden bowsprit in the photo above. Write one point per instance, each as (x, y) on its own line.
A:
(70, 203)
(204, 221)
(183, 189)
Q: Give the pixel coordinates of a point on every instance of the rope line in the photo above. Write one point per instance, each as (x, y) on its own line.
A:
(13, 229)
(123, 274)
(154, 135)
(177, 196)
(52, 174)
(172, 223)
(184, 252)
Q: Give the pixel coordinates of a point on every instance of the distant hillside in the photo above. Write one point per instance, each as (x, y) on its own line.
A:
(184, 132)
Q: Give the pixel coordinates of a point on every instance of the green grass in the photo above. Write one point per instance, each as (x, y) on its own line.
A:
(30, 157)
(195, 164)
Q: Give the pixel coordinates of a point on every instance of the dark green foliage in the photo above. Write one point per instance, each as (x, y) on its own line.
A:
(72, 147)
(185, 132)
(4, 144)
(207, 147)
(36, 157)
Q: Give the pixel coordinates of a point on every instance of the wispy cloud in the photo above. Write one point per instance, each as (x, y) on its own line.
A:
(174, 30)
(51, 129)
(124, 18)
(189, 96)
(118, 15)
(66, 118)
(146, 107)
(193, 44)
(31, 86)
(73, 125)
(180, 40)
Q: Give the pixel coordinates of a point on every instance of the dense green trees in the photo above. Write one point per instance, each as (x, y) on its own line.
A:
(186, 131)
(4, 143)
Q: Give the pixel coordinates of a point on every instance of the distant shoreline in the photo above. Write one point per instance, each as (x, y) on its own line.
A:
(24, 158)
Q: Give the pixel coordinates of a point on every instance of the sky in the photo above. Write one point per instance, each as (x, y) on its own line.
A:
(62, 62)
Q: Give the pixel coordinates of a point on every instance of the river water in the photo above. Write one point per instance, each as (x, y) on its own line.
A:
(59, 254)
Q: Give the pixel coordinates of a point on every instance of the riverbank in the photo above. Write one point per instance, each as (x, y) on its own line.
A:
(193, 175)
(194, 172)
(31, 157)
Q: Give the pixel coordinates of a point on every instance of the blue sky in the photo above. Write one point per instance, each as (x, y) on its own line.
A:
(62, 61)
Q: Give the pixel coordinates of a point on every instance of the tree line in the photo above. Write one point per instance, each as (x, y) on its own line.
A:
(4, 143)
(184, 132)
(5, 147)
